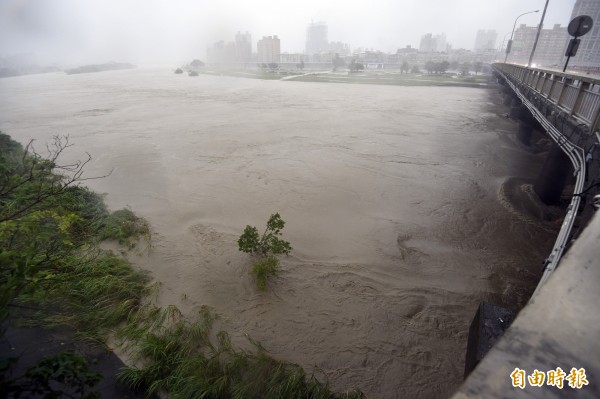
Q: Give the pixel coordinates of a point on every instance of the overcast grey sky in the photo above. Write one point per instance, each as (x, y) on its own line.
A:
(172, 31)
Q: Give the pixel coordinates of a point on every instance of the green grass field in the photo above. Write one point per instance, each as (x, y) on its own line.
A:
(376, 78)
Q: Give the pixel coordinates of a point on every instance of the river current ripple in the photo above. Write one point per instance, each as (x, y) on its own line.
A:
(392, 198)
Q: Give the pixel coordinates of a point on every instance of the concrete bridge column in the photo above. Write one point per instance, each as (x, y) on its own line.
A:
(524, 133)
(551, 181)
(517, 110)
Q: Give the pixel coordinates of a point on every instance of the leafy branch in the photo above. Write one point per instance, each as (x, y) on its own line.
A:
(25, 185)
(266, 246)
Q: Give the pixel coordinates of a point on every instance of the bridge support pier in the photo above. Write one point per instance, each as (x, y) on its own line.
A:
(551, 181)
(524, 133)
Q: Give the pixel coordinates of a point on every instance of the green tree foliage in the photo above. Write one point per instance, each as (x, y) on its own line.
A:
(465, 67)
(404, 68)
(429, 66)
(443, 66)
(49, 260)
(65, 375)
(266, 247)
(338, 62)
(49, 230)
(267, 244)
(183, 359)
(264, 268)
(437, 67)
(356, 66)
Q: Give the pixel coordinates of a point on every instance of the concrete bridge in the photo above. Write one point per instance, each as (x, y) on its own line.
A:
(567, 107)
(560, 326)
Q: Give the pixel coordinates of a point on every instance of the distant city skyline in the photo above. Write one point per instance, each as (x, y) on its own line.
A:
(161, 32)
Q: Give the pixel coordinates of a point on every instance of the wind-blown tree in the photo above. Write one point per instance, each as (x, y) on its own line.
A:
(49, 260)
(50, 225)
(266, 247)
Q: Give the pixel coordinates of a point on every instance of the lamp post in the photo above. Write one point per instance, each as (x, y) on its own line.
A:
(504, 41)
(537, 36)
(508, 47)
(501, 48)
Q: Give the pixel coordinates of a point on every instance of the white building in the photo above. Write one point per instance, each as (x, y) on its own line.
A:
(430, 43)
(550, 48)
(269, 49)
(317, 38)
(243, 47)
(485, 40)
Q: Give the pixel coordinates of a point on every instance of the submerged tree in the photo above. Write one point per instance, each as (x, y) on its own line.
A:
(266, 247)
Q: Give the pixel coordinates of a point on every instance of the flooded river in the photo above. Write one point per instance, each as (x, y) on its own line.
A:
(393, 198)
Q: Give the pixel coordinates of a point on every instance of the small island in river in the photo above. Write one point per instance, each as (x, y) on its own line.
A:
(111, 66)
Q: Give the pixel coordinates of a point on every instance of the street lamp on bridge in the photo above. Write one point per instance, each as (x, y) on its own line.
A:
(503, 41)
(509, 46)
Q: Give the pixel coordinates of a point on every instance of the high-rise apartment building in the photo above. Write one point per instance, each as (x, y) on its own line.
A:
(427, 43)
(243, 47)
(485, 40)
(221, 54)
(269, 49)
(430, 43)
(317, 40)
(441, 44)
(550, 48)
(588, 53)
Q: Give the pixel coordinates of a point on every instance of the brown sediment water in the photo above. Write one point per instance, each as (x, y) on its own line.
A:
(394, 197)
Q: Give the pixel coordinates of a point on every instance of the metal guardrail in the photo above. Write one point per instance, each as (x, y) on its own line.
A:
(577, 95)
(578, 98)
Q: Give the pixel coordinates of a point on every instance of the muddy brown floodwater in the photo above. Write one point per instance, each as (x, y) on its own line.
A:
(393, 198)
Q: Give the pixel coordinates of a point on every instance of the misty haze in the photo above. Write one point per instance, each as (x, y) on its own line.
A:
(375, 130)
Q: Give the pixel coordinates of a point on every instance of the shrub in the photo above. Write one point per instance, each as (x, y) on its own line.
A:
(264, 268)
(266, 247)
(125, 227)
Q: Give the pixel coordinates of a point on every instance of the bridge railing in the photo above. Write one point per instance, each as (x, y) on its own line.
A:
(577, 95)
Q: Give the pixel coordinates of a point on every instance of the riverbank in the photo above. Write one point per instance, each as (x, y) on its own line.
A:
(53, 266)
(371, 77)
